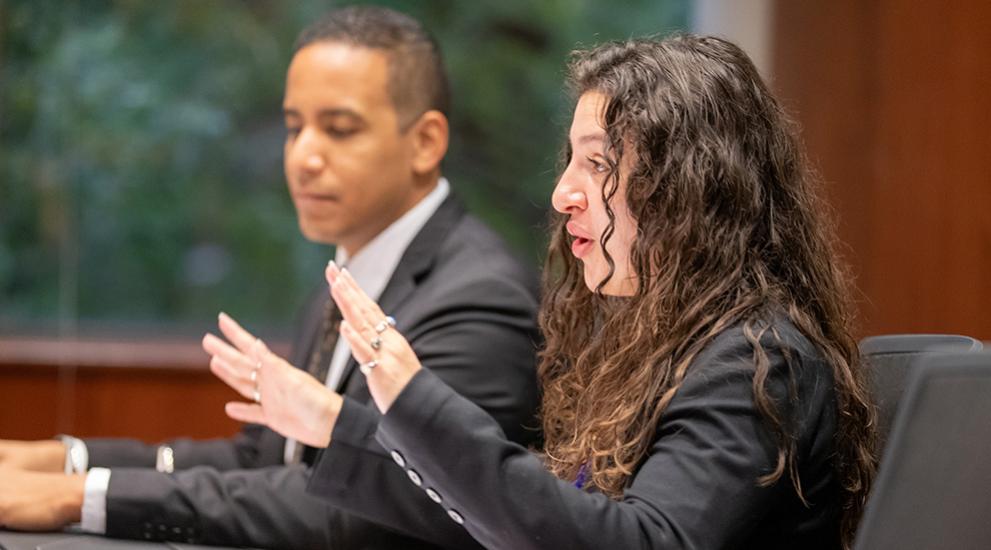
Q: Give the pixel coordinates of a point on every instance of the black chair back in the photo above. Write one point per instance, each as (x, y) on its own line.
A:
(890, 359)
(933, 489)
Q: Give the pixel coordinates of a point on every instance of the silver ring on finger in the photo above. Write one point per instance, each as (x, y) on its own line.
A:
(254, 376)
(376, 343)
(385, 324)
(256, 396)
(366, 368)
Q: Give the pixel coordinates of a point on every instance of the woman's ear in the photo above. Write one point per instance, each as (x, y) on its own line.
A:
(430, 134)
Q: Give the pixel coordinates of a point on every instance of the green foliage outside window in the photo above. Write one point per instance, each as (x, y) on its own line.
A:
(141, 147)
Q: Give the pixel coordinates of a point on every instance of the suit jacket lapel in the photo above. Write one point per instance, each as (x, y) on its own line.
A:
(415, 264)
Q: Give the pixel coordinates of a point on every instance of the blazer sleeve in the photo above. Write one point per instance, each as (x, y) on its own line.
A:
(697, 487)
(355, 472)
(241, 451)
(485, 355)
(264, 507)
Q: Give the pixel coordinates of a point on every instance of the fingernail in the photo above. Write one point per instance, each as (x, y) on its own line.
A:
(221, 315)
(332, 264)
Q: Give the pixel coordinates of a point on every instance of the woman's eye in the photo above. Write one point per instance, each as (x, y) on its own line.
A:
(291, 132)
(598, 167)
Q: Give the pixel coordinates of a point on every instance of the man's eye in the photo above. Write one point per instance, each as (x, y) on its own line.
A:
(341, 132)
(292, 132)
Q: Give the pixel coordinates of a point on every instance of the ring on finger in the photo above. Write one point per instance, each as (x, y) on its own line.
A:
(254, 376)
(366, 368)
(256, 396)
(376, 343)
(385, 324)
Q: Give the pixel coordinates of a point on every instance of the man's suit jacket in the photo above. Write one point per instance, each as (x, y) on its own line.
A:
(697, 488)
(468, 309)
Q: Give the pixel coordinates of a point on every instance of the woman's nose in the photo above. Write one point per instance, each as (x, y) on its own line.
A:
(568, 197)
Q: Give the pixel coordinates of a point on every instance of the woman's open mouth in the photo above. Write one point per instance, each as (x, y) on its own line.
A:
(581, 246)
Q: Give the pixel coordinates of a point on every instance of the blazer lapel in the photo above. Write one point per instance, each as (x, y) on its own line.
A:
(415, 264)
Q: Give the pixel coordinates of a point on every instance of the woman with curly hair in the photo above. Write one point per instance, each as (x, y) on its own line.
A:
(701, 388)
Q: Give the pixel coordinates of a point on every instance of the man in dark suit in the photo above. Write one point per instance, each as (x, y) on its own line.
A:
(365, 108)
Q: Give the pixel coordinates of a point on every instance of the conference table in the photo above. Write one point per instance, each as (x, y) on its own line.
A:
(77, 541)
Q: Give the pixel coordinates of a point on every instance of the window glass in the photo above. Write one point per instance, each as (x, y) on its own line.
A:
(141, 183)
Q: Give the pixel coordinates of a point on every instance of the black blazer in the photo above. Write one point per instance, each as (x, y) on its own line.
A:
(696, 489)
(467, 307)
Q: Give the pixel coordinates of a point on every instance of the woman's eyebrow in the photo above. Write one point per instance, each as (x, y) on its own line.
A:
(590, 138)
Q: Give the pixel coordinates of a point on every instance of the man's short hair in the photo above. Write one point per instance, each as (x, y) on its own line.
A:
(417, 81)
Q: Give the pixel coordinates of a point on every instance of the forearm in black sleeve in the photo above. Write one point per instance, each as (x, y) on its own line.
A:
(240, 451)
(696, 489)
(266, 507)
(485, 355)
(356, 473)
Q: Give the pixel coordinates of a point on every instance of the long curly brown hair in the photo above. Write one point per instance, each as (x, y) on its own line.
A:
(730, 228)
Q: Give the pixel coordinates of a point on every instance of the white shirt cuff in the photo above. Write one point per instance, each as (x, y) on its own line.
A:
(94, 518)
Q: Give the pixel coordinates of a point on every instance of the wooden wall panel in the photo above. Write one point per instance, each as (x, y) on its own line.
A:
(28, 398)
(151, 390)
(933, 152)
(157, 404)
(893, 97)
(145, 403)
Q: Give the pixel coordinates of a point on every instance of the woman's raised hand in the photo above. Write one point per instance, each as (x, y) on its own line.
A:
(286, 399)
(385, 357)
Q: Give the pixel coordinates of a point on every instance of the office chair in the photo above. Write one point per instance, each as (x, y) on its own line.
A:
(933, 489)
(889, 360)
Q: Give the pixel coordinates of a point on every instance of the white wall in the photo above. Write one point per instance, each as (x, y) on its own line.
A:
(744, 22)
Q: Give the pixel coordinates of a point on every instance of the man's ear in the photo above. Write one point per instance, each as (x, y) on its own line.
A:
(430, 135)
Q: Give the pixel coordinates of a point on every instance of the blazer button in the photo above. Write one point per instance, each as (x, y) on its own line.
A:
(414, 477)
(399, 459)
(456, 517)
(434, 495)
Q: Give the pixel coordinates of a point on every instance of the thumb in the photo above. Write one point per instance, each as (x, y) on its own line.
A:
(245, 412)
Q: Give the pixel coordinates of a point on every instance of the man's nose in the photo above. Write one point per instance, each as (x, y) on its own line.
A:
(307, 154)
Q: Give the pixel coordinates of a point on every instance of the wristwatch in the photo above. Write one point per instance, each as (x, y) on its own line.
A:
(76, 454)
(165, 459)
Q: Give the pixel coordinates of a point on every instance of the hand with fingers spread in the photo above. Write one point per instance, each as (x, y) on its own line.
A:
(386, 358)
(286, 399)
